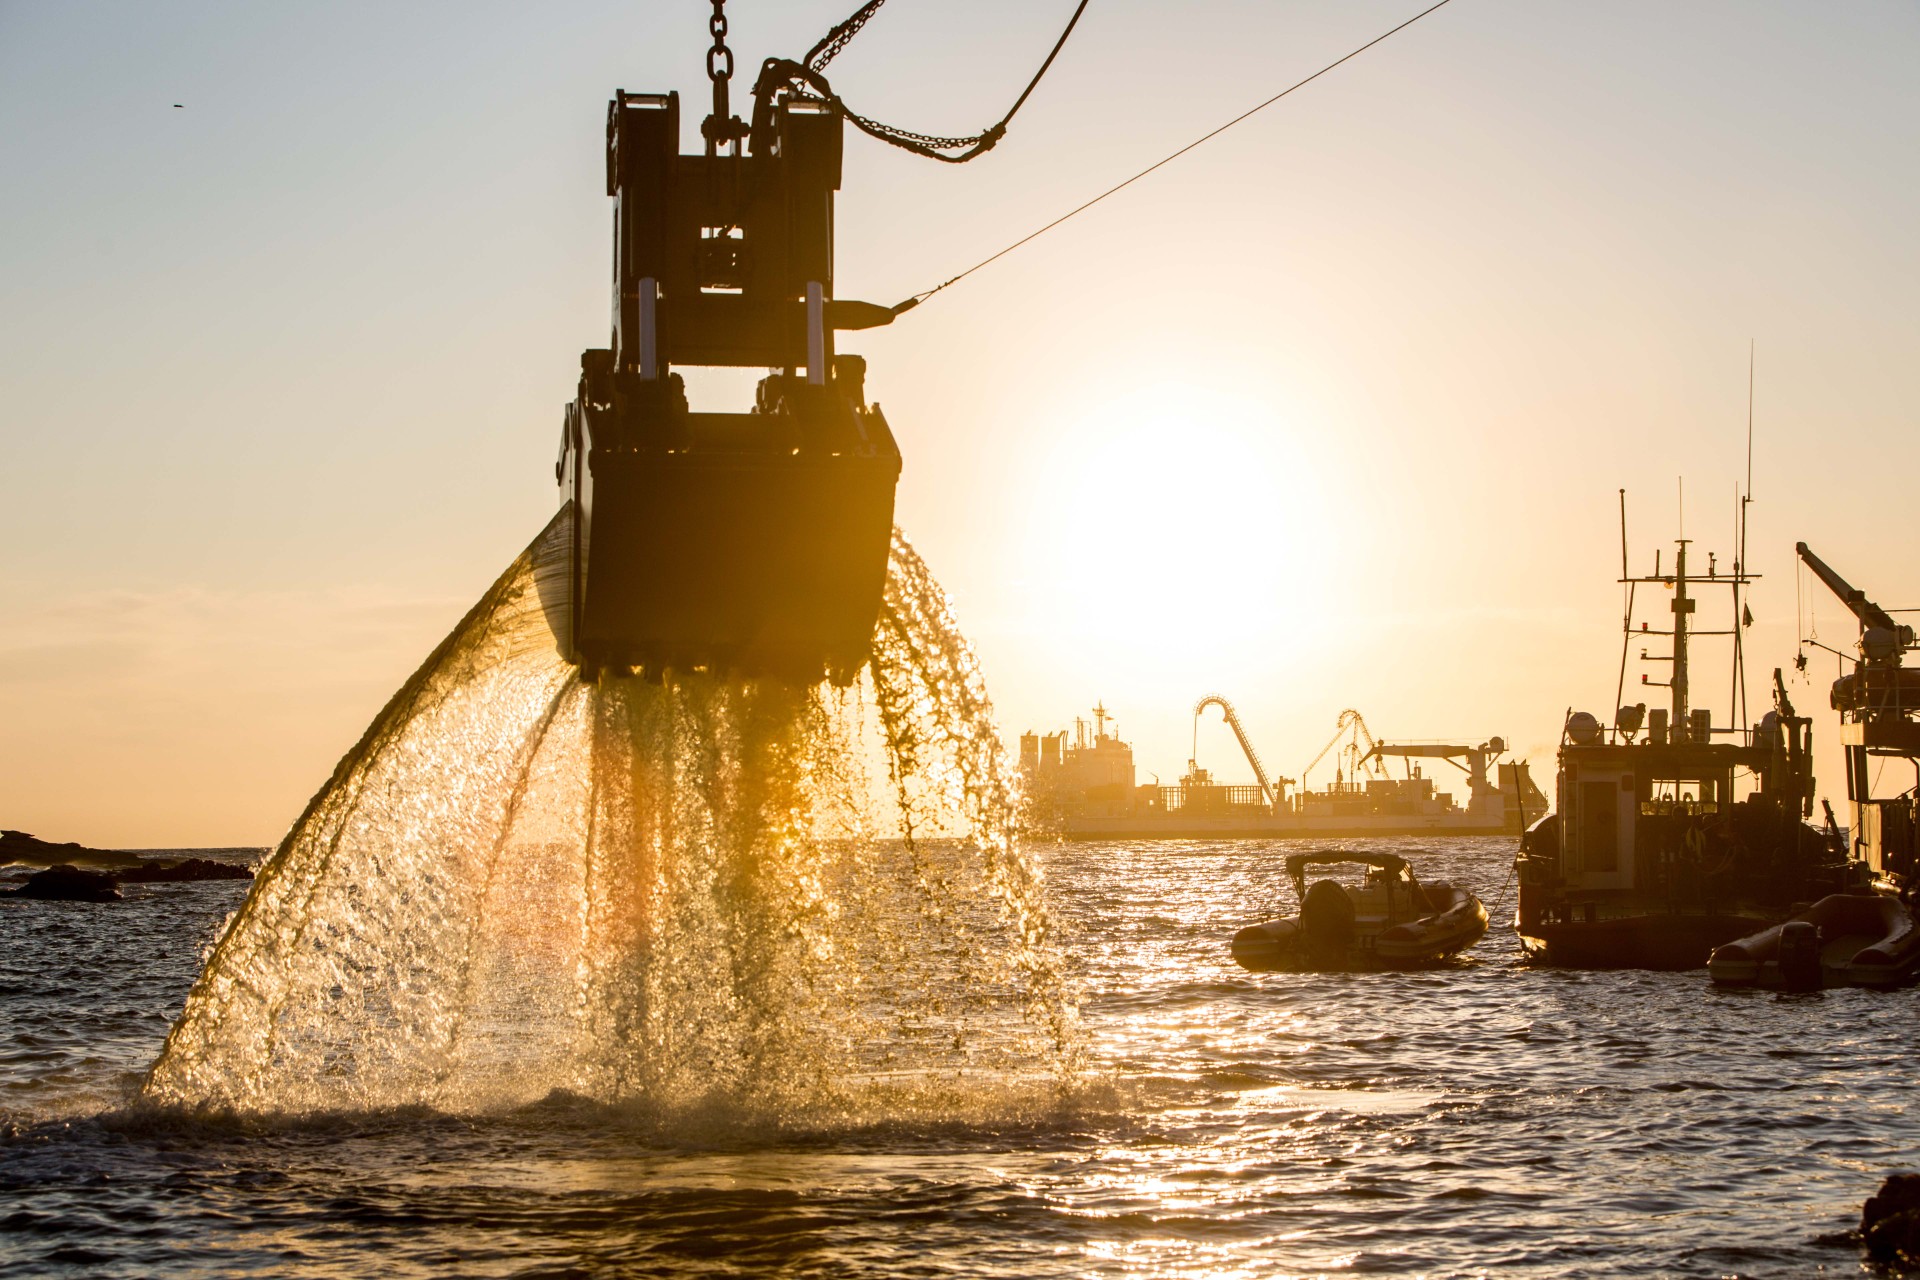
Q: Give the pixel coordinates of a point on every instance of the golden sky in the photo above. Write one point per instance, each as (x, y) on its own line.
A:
(1331, 412)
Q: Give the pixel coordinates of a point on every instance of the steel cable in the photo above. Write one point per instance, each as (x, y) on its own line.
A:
(918, 298)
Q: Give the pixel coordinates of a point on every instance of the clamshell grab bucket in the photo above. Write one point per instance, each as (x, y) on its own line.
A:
(757, 544)
(750, 542)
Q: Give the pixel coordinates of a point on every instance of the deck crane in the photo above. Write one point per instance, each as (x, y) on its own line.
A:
(1349, 720)
(1485, 786)
(1880, 700)
(1879, 706)
(1881, 638)
(1477, 758)
(1274, 793)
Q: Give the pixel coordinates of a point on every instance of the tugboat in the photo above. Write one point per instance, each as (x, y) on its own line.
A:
(1388, 920)
(1650, 859)
(1866, 938)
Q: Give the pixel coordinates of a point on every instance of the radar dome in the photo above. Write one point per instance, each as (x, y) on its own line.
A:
(1583, 728)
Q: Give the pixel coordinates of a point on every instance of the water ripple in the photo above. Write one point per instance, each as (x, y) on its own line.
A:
(1488, 1119)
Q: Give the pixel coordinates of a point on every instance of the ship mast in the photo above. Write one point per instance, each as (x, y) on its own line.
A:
(1682, 606)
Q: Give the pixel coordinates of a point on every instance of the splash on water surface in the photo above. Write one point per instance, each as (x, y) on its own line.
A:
(683, 895)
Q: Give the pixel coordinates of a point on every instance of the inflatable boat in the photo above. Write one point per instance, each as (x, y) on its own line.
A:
(1389, 919)
(1843, 940)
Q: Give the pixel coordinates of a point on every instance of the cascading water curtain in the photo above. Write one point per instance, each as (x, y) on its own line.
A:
(682, 895)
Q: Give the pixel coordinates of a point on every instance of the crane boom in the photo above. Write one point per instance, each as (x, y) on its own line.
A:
(1476, 758)
(1360, 728)
(1233, 722)
(1425, 749)
(1869, 613)
(1348, 718)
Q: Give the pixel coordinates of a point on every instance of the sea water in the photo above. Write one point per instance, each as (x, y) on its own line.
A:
(1481, 1119)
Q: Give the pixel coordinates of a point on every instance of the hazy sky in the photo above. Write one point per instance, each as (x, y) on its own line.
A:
(1329, 413)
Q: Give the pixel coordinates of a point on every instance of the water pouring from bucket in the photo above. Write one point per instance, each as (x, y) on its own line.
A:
(694, 895)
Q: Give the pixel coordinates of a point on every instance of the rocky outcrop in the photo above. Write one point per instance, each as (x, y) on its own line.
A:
(68, 884)
(33, 851)
(184, 870)
(19, 846)
(64, 882)
(1890, 1223)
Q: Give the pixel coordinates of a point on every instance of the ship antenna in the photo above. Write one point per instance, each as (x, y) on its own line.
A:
(1626, 620)
(1623, 535)
(1750, 450)
(1737, 695)
(1739, 648)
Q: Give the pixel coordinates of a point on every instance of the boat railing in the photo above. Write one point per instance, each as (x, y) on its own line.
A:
(1664, 807)
(1210, 799)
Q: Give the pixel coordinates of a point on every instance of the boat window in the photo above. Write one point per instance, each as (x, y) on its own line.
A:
(1689, 797)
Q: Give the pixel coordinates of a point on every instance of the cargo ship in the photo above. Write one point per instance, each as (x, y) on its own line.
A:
(1083, 786)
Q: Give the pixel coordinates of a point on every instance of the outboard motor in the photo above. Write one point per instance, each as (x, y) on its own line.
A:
(749, 542)
(1799, 956)
(1327, 917)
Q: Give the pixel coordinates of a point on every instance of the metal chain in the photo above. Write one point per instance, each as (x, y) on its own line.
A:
(719, 58)
(891, 133)
(932, 146)
(718, 127)
(837, 39)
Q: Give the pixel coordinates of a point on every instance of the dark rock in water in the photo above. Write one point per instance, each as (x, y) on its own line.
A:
(18, 846)
(1890, 1223)
(184, 870)
(1900, 1193)
(69, 884)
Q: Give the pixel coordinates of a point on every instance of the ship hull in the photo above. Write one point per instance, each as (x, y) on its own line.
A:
(1135, 827)
(1653, 941)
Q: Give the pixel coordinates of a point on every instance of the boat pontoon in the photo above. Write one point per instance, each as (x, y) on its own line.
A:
(1389, 919)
